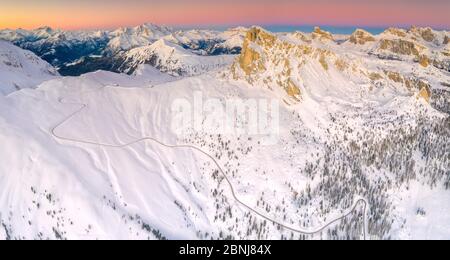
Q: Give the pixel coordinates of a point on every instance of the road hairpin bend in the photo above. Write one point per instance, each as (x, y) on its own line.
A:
(220, 169)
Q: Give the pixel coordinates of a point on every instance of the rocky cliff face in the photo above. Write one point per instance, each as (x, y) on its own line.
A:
(446, 40)
(262, 53)
(275, 62)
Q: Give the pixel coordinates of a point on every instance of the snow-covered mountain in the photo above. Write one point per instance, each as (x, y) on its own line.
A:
(56, 46)
(21, 69)
(356, 148)
(172, 59)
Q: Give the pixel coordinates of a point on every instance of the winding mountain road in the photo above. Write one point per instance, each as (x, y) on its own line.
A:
(83, 106)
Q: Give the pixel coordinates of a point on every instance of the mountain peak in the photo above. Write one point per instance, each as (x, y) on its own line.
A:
(238, 29)
(44, 28)
(44, 32)
(446, 40)
(361, 37)
(396, 32)
(320, 34)
(256, 37)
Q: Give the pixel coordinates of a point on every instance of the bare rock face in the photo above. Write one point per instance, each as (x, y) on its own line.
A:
(395, 76)
(425, 33)
(424, 61)
(400, 46)
(302, 37)
(361, 37)
(275, 62)
(258, 52)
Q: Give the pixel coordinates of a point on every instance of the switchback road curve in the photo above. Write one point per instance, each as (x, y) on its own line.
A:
(360, 201)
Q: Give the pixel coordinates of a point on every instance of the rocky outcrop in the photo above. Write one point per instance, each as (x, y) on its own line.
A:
(421, 45)
(424, 61)
(322, 35)
(411, 83)
(257, 51)
(400, 46)
(425, 94)
(250, 59)
(292, 62)
(374, 76)
(323, 61)
(361, 37)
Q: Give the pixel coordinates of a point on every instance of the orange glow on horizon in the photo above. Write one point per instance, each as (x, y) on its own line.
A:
(73, 16)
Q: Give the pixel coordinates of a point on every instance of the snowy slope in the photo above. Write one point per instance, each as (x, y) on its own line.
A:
(56, 46)
(21, 69)
(127, 38)
(97, 156)
(146, 190)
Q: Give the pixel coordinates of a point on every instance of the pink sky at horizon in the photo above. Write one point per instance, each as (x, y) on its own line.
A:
(103, 14)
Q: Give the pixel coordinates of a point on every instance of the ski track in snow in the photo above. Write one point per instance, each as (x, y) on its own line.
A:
(83, 106)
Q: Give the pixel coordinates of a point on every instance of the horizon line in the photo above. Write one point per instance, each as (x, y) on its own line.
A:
(226, 26)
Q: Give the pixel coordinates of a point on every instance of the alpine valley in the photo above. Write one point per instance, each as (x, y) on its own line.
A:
(89, 150)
